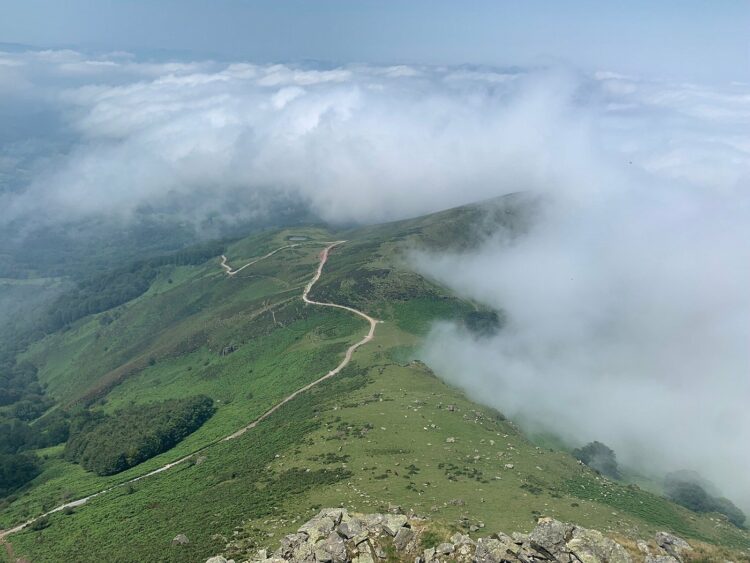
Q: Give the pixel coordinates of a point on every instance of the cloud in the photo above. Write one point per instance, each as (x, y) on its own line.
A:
(627, 302)
(628, 309)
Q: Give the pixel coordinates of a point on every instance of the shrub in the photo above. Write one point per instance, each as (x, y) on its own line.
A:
(109, 444)
(599, 457)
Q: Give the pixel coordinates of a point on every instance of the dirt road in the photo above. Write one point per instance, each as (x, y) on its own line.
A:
(323, 258)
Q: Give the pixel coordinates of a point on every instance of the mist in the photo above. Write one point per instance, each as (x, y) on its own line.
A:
(627, 302)
(628, 314)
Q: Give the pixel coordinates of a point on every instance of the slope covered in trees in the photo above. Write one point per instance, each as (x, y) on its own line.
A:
(108, 444)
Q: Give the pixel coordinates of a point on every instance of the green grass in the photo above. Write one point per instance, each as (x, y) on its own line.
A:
(377, 434)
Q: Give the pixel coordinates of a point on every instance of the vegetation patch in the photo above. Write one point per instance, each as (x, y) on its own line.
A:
(108, 444)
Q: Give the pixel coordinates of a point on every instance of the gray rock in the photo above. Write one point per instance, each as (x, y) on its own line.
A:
(673, 545)
(180, 539)
(592, 546)
(331, 549)
(363, 558)
(402, 539)
(392, 522)
(216, 559)
(350, 528)
(445, 549)
(551, 534)
(660, 559)
(493, 550)
(320, 526)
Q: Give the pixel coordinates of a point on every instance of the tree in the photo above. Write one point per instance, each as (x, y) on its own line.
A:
(599, 457)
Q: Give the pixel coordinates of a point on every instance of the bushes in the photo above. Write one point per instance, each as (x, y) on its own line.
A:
(16, 470)
(600, 457)
(108, 444)
(694, 496)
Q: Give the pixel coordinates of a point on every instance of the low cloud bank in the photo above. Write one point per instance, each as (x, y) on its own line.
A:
(628, 302)
(628, 305)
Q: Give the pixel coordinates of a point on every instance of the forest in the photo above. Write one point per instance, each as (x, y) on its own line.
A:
(107, 444)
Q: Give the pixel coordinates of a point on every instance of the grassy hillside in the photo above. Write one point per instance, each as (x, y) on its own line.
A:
(384, 431)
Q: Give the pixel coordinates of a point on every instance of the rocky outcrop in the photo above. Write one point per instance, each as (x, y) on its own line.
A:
(336, 536)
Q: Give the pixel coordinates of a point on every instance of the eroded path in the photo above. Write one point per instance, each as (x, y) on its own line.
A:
(323, 258)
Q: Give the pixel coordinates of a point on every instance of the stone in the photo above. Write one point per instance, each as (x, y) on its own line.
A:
(429, 554)
(363, 558)
(392, 522)
(403, 538)
(319, 527)
(349, 529)
(216, 559)
(551, 534)
(643, 547)
(673, 545)
(445, 549)
(180, 539)
(492, 550)
(331, 550)
(592, 546)
(660, 559)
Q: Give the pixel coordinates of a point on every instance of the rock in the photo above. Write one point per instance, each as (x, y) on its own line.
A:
(594, 547)
(363, 558)
(673, 545)
(551, 534)
(402, 539)
(445, 549)
(335, 536)
(660, 559)
(392, 522)
(216, 559)
(450, 440)
(350, 528)
(394, 508)
(643, 547)
(493, 550)
(332, 549)
(180, 539)
(321, 525)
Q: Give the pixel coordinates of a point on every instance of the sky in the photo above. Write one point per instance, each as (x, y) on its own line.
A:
(628, 299)
(699, 40)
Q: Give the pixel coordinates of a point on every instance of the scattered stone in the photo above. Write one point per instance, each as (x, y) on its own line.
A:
(336, 536)
(180, 539)
(450, 440)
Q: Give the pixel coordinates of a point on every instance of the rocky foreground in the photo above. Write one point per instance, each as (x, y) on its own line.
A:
(336, 536)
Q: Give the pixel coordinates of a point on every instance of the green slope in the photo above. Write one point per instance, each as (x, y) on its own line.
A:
(381, 432)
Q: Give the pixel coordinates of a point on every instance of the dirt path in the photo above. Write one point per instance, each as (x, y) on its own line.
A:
(230, 272)
(323, 258)
(347, 357)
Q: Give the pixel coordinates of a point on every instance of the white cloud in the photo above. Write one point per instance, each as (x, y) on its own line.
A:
(628, 304)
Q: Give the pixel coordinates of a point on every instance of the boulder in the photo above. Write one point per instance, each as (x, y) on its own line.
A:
(180, 539)
(673, 545)
(551, 534)
(216, 559)
(321, 525)
(403, 538)
(392, 522)
(591, 546)
(331, 550)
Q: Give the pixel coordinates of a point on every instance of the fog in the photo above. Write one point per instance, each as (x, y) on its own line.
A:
(628, 304)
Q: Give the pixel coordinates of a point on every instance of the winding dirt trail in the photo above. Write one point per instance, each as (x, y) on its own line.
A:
(323, 258)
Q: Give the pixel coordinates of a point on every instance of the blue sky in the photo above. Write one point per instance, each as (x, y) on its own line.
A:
(701, 40)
